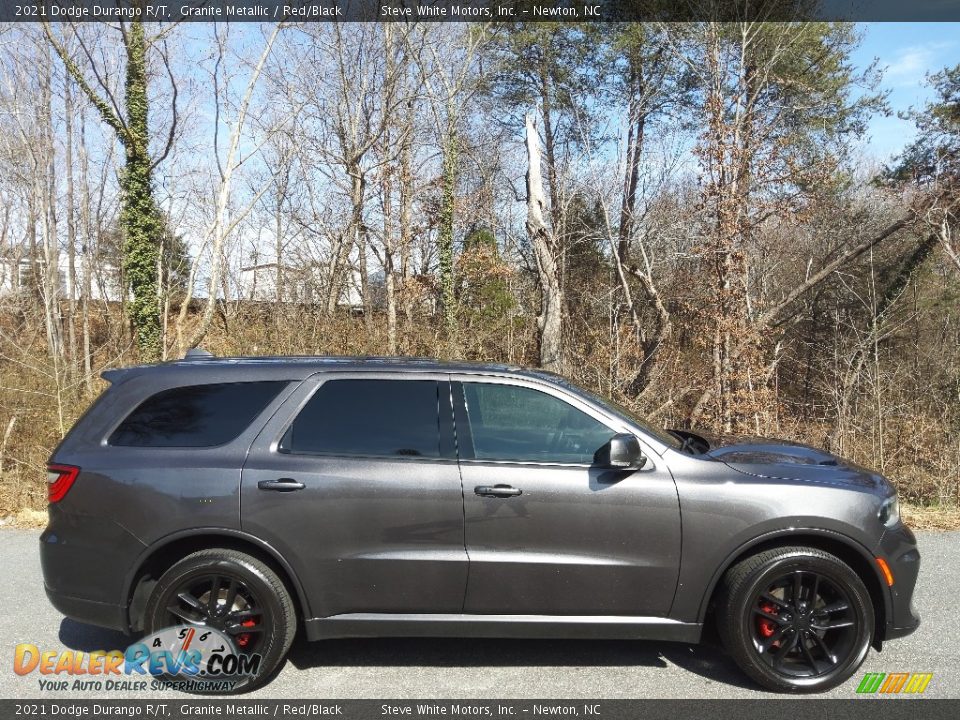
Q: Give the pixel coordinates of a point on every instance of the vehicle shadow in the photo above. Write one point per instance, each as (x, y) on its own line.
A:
(707, 660)
(88, 638)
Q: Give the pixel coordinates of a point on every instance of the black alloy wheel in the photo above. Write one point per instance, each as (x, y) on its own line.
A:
(795, 619)
(234, 593)
(224, 603)
(804, 624)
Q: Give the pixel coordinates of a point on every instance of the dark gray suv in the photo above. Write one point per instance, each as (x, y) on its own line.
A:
(405, 497)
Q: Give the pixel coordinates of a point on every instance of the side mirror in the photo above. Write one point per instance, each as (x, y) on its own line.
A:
(621, 453)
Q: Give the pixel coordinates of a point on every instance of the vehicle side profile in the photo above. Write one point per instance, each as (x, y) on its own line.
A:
(357, 497)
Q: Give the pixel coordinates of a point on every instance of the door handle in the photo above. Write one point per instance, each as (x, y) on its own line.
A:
(281, 485)
(497, 491)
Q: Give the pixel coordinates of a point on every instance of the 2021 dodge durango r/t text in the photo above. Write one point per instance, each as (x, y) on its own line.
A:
(400, 497)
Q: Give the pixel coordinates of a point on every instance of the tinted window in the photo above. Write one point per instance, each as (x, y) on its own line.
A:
(369, 417)
(195, 415)
(518, 423)
(629, 415)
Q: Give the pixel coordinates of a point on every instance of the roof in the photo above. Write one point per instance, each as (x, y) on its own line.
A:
(366, 362)
(315, 363)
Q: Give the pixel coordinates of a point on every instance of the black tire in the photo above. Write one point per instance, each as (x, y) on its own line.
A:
(795, 642)
(257, 586)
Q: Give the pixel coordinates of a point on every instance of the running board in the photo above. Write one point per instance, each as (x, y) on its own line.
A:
(588, 627)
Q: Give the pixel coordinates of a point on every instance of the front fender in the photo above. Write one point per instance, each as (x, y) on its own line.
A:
(798, 535)
(725, 513)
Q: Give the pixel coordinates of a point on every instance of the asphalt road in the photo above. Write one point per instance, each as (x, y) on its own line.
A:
(464, 669)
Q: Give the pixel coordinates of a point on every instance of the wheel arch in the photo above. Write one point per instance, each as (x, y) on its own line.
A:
(848, 550)
(162, 555)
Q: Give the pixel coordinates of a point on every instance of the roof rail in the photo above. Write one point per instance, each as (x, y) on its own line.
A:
(197, 354)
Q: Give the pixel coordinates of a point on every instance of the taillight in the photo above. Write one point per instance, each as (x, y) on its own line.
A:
(59, 481)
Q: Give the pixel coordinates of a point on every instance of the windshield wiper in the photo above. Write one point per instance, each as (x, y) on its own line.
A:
(687, 442)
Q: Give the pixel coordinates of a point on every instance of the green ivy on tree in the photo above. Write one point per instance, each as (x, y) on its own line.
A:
(140, 220)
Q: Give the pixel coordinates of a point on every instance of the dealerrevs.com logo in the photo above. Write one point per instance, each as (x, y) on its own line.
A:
(193, 659)
(894, 683)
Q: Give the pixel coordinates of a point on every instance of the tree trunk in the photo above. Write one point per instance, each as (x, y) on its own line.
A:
(340, 254)
(406, 211)
(278, 295)
(139, 216)
(33, 256)
(388, 251)
(635, 131)
(553, 182)
(47, 188)
(445, 240)
(86, 264)
(363, 239)
(71, 230)
(544, 245)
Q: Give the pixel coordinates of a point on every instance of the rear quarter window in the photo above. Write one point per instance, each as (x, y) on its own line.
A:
(195, 415)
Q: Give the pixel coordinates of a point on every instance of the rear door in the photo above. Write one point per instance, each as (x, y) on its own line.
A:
(548, 532)
(355, 482)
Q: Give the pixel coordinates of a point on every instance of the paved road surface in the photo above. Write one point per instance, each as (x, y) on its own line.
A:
(462, 669)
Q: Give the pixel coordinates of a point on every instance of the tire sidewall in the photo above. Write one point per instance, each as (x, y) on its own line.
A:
(836, 572)
(156, 617)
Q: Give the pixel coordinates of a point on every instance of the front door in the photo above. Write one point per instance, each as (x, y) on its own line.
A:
(547, 532)
(355, 482)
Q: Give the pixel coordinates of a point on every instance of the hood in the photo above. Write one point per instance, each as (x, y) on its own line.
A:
(787, 460)
(746, 449)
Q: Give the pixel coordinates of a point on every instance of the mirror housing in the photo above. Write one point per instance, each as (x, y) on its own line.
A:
(622, 452)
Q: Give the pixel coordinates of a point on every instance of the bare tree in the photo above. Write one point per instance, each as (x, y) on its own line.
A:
(446, 64)
(550, 320)
(353, 106)
(222, 226)
(130, 122)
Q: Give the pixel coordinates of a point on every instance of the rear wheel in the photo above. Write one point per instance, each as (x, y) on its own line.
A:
(795, 619)
(235, 594)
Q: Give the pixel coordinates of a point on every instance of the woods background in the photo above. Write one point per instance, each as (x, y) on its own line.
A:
(682, 217)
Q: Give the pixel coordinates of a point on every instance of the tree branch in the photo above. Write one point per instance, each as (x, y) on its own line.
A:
(774, 313)
(110, 117)
(945, 240)
(174, 120)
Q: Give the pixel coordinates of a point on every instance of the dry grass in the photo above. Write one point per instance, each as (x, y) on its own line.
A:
(923, 517)
(25, 518)
(918, 448)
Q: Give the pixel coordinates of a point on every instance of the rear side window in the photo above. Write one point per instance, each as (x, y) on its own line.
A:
(369, 417)
(195, 415)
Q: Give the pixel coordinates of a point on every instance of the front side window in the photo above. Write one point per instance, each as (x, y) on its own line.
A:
(195, 415)
(397, 418)
(508, 422)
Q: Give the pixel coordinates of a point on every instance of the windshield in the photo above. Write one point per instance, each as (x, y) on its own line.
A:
(662, 435)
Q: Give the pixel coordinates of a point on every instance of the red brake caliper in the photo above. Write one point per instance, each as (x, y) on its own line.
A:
(243, 639)
(767, 627)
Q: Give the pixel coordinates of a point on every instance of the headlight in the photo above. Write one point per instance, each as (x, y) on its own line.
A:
(890, 511)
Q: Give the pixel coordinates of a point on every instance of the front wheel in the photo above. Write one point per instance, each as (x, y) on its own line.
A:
(795, 619)
(239, 597)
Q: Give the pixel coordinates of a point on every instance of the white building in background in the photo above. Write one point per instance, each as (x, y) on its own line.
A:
(259, 282)
(300, 285)
(105, 285)
(256, 282)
